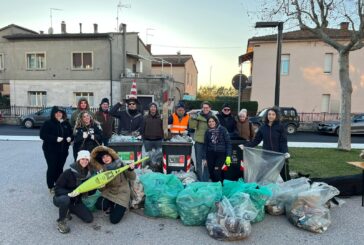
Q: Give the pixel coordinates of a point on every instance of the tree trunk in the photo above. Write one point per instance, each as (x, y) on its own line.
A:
(344, 142)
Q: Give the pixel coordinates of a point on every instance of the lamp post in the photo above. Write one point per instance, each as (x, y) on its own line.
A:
(279, 53)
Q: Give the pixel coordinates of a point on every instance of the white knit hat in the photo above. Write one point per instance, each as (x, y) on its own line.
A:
(83, 154)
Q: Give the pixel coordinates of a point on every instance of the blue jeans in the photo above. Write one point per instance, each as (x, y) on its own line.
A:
(202, 171)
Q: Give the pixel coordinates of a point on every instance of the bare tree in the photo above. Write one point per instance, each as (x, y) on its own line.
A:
(316, 16)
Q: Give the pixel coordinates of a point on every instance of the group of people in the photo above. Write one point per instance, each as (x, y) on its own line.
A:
(90, 134)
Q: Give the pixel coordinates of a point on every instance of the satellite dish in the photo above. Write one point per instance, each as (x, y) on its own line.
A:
(239, 78)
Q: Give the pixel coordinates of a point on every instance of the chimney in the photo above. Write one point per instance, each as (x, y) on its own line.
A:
(80, 27)
(95, 28)
(179, 56)
(63, 27)
(149, 47)
(344, 25)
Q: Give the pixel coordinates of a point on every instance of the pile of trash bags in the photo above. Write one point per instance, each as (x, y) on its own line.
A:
(185, 177)
(137, 189)
(116, 138)
(181, 138)
(160, 194)
(197, 200)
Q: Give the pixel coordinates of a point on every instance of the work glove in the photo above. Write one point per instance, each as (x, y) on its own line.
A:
(59, 139)
(228, 161)
(93, 137)
(84, 135)
(287, 155)
(241, 165)
(68, 139)
(241, 147)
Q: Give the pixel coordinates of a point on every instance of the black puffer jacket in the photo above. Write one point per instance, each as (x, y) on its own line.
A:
(217, 140)
(129, 121)
(88, 143)
(228, 122)
(274, 138)
(52, 129)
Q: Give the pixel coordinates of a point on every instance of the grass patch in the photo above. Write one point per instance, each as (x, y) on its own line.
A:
(323, 162)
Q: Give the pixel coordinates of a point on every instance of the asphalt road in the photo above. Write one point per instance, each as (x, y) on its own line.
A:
(29, 217)
(298, 137)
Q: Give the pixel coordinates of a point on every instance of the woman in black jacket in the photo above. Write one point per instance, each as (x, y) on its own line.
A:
(56, 134)
(217, 149)
(274, 137)
(66, 183)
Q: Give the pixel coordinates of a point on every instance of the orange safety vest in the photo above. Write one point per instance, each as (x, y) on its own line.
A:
(179, 126)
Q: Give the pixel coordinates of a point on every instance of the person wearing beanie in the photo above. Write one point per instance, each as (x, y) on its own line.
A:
(115, 196)
(218, 149)
(178, 121)
(82, 105)
(227, 120)
(245, 128)
(152, 129)
(106, 121)
(56, 134)
(69, 180)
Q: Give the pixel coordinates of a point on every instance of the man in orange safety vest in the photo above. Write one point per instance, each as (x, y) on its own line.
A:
(178, 121)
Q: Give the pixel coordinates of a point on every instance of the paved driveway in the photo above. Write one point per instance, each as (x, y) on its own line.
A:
(27, 215)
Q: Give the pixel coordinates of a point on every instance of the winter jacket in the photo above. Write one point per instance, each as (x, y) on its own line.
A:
(107, 123)
(199, 123)
(76, 113)
(52, 129)
(228, 122)
(152, 128)
(217, 140)
(70, 180)
(245, 130)
(274, 138)
(128, 121)
(118, 190)
(87, 144)
(177, 125)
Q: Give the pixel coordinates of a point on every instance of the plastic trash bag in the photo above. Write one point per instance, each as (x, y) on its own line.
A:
(185, 178)
(262, 166)
(198, 200)
(308, 210)
(226, 224)
(137, 189)
(161, 192)
(115, 138)
(181, 138)
(91, 200)
(284, 193)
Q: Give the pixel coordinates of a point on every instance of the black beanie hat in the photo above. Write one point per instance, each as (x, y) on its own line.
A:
(226, 105)
(104, 100)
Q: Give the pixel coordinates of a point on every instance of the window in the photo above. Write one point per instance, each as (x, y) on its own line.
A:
(285, 64)
(37, 98)
(88, 95)
(82, 60)
(1, 61)
(328, 62)
(36, 61)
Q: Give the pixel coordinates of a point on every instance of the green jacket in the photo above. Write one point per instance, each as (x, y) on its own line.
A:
(199, 124)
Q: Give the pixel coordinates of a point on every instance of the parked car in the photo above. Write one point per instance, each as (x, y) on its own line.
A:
(39, 117)
(332, 127)
(288, 115)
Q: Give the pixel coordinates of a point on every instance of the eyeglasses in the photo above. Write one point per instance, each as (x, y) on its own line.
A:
(131, 104)
(227, 109)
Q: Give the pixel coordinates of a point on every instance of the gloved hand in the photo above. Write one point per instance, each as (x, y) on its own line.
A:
(59, 139)
(92, 137)
(241, 147)
(84, 135)
(228, 161)
(68, 139)
(204, 162)
(287, 155)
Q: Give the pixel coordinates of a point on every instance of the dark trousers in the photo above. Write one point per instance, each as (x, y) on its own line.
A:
(55, 162)
(201, 170)
(79, 209)
(215, 161)
(116, 211)
(285, 171)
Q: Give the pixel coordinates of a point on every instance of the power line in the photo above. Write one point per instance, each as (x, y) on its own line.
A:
(197, 47)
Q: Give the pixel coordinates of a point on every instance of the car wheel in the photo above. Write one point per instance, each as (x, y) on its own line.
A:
(28, 123)
(291, 129)
(255, 127)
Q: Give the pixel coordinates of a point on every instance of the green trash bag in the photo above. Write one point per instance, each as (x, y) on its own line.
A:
(90, 200)
(160, 194)
(198, 200)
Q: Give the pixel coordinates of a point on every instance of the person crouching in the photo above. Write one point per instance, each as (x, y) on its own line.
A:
(66, 183)
(115, 196)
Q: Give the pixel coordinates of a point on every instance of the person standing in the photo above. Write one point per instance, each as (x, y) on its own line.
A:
(152, 129)
(178, 121)
(88, 134)
(217, 149)
(82, 105)
(56, 134)
(274, 137)
(227, 120)
(130, 120)
(198, 122)
(67, 182)
(106, 121)
(245, 128)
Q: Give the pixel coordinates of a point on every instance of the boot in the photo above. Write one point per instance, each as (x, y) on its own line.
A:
(63, 227)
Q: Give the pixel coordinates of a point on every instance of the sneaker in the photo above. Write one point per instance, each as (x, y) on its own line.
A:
(63, 227)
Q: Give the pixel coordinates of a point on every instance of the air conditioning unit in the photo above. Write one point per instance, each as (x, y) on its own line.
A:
(139, 67)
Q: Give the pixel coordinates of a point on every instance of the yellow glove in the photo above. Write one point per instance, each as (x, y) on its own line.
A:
(228, 161)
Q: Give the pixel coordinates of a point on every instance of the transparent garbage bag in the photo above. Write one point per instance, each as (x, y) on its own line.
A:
(181, 138)
(227, 223)
(161, 191)
(308, 210)
(197, 200)
(284, 193)
(115, 138)
(137, 189)
(262, 166)
(185, 177)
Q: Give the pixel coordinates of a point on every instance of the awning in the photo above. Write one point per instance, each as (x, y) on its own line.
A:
(135, 56)
(246, 57)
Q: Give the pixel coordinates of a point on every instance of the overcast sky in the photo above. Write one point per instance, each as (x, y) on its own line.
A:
(215, 32)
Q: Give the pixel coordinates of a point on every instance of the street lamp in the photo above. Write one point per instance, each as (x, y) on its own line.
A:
(279, 52)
